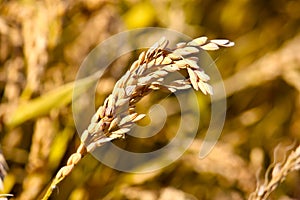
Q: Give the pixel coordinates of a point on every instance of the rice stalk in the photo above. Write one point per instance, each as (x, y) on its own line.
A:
(37, 163)
(117, 115)
(278, 174)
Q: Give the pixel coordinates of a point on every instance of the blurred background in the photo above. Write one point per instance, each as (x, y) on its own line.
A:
(43, 43)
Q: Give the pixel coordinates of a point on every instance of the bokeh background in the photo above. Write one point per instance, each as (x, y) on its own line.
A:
(42, 44)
